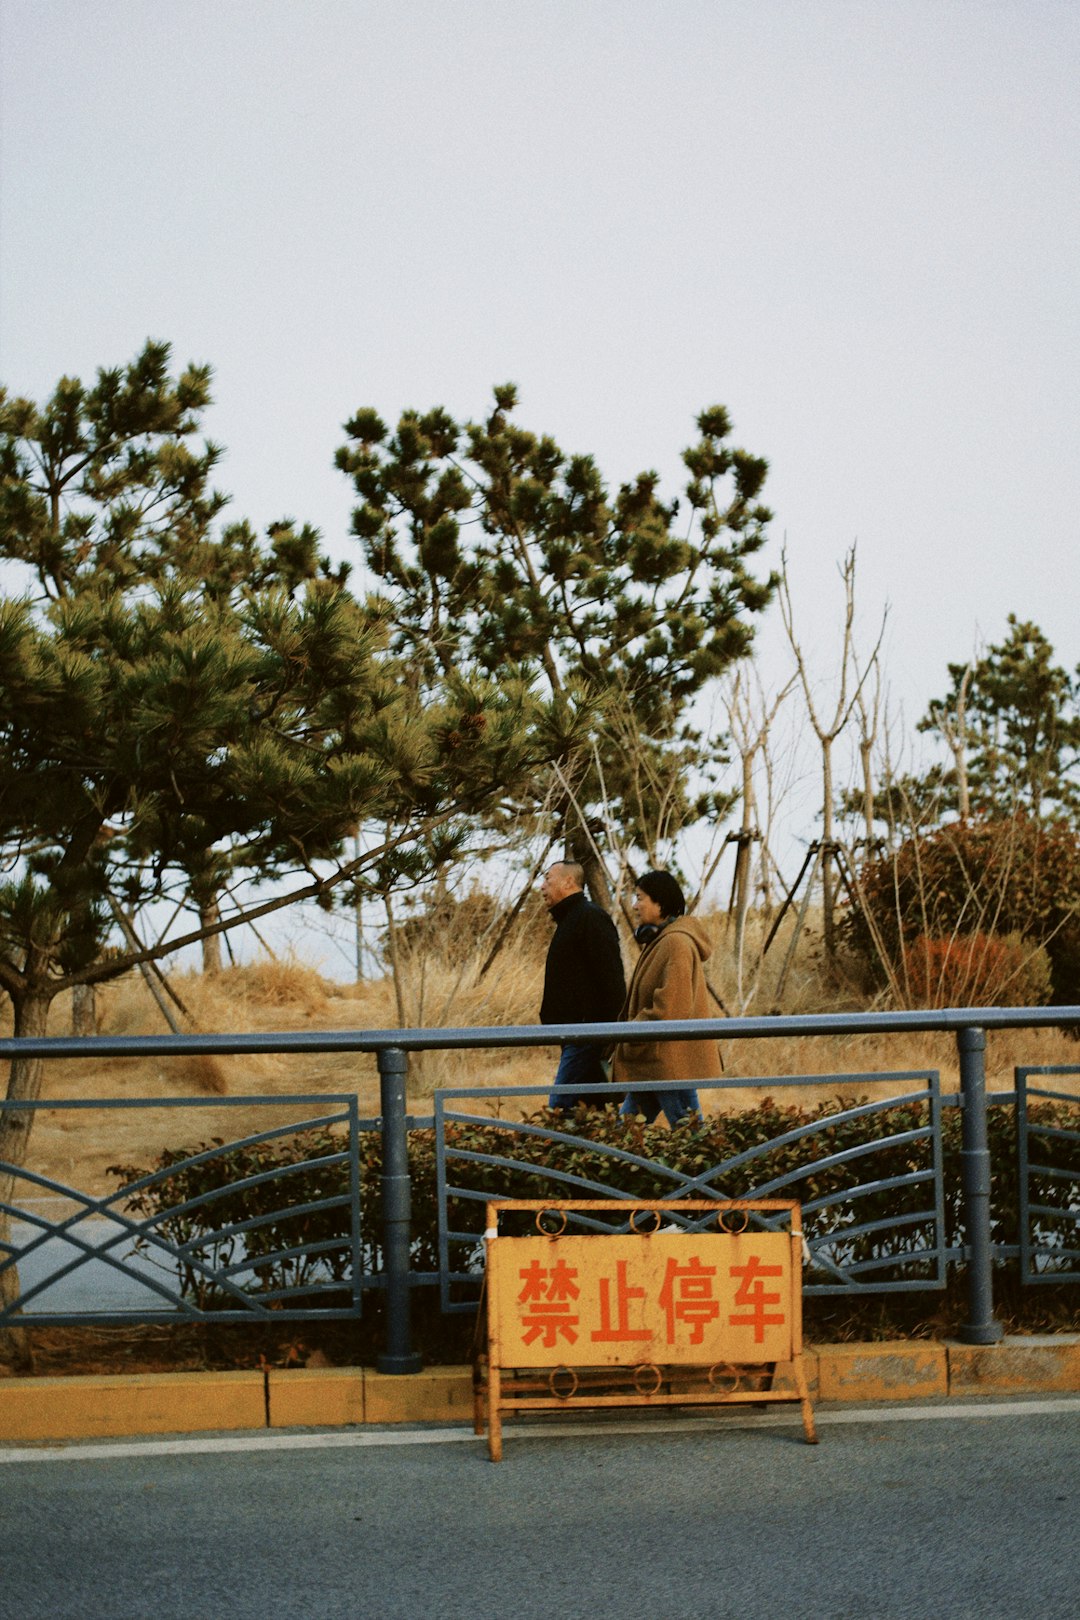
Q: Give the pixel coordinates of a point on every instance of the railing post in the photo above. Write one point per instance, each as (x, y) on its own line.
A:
(398, 1357)
(981, 1328)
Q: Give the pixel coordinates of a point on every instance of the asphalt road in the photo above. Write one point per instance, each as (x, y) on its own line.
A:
(896, 1514)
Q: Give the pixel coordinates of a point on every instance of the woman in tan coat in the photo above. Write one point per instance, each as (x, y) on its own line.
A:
(668, 983)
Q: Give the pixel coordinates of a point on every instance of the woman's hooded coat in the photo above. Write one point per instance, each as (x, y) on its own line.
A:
(669, 983)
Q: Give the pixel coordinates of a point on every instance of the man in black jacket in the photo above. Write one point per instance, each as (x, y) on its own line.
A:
(583, 979)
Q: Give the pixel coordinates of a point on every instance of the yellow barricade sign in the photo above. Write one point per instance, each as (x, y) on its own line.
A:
(694, 1300)
(656, 1302)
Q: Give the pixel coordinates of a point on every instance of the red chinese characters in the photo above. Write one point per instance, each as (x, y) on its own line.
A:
(687, 1296)
(751, 1292)
(666, 1298)
(615, 1313)
(548, 1293)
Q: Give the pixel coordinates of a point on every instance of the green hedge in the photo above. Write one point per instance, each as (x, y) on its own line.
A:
(295, 1174)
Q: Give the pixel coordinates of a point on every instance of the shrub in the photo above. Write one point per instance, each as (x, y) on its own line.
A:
(277, 983)
(976, 970)
(1010, 876)
(250, 1202)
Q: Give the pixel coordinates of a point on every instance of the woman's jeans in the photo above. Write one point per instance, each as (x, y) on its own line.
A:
(676, 1104)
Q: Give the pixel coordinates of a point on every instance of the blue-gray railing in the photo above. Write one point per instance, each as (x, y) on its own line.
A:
(391, 1048)
(1038, 1141)
(909, 1245)
(215, 1263)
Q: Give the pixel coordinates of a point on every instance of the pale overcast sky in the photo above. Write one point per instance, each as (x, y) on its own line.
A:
(854, 222)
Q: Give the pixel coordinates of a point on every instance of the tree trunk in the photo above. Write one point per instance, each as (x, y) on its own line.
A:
(868, 807)
(963, 794)
(24, 1085)
(84, 1010)
(152, 975)
(397, 967)
(209, 915)
(742, 866)
(358, 913)
(828, 868)
(579, 847)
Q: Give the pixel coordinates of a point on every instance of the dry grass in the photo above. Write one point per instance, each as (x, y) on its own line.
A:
(441, 986)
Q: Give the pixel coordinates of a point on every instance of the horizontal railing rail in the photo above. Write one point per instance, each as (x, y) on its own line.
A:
(945, 1020)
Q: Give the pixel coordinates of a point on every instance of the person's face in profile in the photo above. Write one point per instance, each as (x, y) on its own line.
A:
(646, 910)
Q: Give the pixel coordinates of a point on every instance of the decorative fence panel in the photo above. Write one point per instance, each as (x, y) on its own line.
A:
(873, 1208)
(1049, 1175)
(266, 1225)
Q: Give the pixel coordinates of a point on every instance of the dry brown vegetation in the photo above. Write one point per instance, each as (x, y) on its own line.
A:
(440, 985)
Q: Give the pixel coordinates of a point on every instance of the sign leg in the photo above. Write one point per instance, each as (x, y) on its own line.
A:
(494, 1414)
(809, 1426)
(478, 1396)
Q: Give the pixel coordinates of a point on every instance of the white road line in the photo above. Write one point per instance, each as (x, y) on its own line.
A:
(222, 1445)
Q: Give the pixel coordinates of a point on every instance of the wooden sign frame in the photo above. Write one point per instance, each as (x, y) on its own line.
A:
(654, 1315)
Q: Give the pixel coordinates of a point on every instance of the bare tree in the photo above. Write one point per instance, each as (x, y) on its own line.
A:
(868, 714)
(850, 684)
(750, 716)
(953, 727)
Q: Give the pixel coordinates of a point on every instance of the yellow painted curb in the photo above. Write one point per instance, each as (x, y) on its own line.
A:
(315, 1397)
(784, 1379)
(329, 1397)
(435, 1395)
(152, 1403)
(1049, 1361)
(894, 1370)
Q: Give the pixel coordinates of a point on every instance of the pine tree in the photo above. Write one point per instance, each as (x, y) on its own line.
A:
(1019, 729)
(493, 546)
(173, 703)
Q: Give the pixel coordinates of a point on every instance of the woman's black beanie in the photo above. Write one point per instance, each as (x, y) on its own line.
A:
(663, 888)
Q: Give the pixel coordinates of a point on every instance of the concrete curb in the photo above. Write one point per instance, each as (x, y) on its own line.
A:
(39, 1409)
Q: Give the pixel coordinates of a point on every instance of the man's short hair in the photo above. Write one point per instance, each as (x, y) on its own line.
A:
(574, 871)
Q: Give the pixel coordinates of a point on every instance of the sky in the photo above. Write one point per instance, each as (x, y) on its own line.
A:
(853, 222)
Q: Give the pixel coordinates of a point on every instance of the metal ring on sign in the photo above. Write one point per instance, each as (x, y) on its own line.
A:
(644, 1367)
(655, 1227)
(726, 1217)
(551, 1232)
(724, 1377)
(563, 1394)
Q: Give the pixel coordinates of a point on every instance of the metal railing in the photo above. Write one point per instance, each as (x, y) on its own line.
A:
(199, 1255)
(391, 1048)
(1049, 1248)
(852, 1247)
